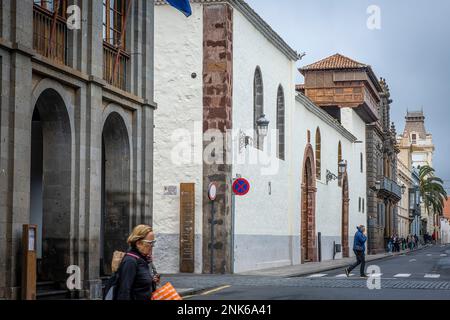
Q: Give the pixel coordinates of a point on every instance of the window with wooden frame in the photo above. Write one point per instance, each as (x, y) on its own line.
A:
(318, 154)
(52, 5)
(115, 57)
(114, 12)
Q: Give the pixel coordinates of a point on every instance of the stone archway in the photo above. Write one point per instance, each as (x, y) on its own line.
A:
(308, 206)
(345, 216)
(115, 219)
(50, 184)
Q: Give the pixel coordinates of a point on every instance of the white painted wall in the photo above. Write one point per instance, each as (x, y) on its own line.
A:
(329, 196)
(263, 229)
(357, 179)
(178, 53)
(267, 226)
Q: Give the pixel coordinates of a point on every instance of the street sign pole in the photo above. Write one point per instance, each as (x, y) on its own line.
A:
(212, 193)
(212, 236)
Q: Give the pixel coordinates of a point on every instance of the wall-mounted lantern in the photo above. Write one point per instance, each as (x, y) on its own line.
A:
(262, 125)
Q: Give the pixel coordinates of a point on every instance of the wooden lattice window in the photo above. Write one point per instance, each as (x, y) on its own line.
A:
(281, 123)
(318, 154)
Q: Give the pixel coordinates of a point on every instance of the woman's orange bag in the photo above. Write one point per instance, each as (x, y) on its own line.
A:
(166, 292)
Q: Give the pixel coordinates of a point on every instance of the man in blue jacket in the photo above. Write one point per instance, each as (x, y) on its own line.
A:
(359, 248)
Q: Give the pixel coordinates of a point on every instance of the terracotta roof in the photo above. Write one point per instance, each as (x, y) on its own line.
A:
(336, 61)
(340, 62)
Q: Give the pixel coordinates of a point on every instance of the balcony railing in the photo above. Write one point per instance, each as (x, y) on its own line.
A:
(115, 75)
(49, 36)
(390, 189)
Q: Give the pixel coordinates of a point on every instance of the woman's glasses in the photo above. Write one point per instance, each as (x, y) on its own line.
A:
(150, 242)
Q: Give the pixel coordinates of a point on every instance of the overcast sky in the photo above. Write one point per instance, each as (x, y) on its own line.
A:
(411, 50)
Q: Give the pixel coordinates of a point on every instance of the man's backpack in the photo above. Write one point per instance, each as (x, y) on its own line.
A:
(113, 281)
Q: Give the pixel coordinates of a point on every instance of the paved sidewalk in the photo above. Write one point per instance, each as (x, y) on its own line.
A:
(193, 284)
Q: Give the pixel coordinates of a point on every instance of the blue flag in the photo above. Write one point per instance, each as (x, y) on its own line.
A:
(182, 5)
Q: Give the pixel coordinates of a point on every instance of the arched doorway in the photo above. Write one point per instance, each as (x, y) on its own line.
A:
(308, 198)
(50, 185)
(345, 211)
(115, 220)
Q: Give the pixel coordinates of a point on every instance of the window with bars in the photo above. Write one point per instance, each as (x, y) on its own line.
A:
(318, 154)
(281, 123)
(50, 29)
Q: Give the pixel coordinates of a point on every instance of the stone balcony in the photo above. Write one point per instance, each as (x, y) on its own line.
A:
(390, 189)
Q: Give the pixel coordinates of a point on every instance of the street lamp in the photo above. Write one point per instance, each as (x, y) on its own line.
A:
(342, 167)
(403, 189)
(262, 125)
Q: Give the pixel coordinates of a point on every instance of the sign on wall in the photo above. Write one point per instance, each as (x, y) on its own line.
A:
(187, 227)
(241, 187)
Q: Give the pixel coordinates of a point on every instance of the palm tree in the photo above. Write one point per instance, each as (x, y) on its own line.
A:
(432, 190)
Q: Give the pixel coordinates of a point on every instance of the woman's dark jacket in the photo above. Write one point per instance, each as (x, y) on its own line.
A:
(135, 280)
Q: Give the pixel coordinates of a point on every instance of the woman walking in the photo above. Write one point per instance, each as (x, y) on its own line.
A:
(136, 281)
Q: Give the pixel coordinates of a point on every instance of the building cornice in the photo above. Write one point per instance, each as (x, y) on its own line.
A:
(256, 21)
(317, 111)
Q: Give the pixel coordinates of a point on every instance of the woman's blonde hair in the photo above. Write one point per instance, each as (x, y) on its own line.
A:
(139, 233)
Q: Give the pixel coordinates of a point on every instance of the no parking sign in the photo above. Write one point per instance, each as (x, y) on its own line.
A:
(241, 187)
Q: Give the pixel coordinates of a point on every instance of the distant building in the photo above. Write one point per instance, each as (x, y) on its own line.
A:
(416, 150)
(350, 92)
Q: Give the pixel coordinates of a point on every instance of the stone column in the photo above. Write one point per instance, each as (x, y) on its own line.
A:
(16, 112)
(217, 114)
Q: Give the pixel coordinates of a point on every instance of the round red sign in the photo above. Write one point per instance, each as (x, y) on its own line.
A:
(241, 187)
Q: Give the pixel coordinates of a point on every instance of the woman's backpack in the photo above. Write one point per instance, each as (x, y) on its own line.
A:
(113, 281)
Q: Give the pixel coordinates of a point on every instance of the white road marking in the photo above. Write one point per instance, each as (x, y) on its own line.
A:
(443, 255)
(434, 276)
(318, 275)
(429, 255)
(375, 275)
(402, 275)
(412, 260)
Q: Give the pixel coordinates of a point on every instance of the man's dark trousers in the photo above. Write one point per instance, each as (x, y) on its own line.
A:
(360, 260)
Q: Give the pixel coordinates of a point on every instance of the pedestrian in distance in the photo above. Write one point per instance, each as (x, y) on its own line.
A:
(390, 245)
(359, 248)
